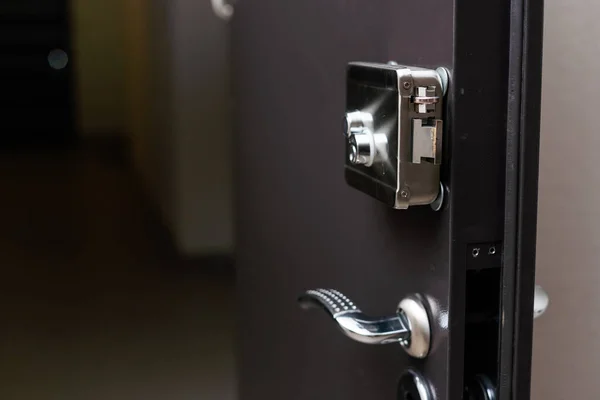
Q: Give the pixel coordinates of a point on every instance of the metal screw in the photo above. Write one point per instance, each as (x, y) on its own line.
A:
(406, 85)
(404, 193)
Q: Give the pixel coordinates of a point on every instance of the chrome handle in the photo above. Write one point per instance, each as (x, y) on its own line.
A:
(541, 300)
(409, 327)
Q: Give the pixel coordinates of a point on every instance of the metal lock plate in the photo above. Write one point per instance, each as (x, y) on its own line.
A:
(393, 128)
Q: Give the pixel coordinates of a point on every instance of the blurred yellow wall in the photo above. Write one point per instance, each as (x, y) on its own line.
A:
(99, 56)
(158, 72)
(147, 88)
(136, 69)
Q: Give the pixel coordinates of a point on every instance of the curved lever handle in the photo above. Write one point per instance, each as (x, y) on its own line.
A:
(353, 322)
(409, 327)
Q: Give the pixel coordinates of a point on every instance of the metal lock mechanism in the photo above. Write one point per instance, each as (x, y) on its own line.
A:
(394, 130)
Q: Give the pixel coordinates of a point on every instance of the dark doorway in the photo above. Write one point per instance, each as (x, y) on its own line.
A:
(36, 106)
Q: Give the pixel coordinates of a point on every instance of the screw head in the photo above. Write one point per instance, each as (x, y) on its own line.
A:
(404, 193)
(406, 85)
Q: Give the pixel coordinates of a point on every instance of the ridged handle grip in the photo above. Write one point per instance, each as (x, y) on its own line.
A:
(370, 330)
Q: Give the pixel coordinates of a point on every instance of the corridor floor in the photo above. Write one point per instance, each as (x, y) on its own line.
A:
(94, 305)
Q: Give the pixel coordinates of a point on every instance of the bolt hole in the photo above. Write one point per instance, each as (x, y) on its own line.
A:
(475, 252)
(492, 250)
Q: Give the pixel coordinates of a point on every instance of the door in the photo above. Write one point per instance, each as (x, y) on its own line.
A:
(35, 72)
(304, 222)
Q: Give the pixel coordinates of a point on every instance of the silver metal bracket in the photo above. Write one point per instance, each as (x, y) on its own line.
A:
(394, 132)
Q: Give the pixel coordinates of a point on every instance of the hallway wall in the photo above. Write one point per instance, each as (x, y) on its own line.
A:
(99, 57)
(148, 89)
(178, 118)
(201, 108)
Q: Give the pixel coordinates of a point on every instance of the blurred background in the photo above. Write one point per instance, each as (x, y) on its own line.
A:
(115, 211)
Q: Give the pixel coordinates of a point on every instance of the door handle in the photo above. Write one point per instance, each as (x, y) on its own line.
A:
(541, 300)
(409, 326)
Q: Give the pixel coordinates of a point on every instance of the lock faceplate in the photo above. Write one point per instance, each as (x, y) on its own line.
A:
(393, 128)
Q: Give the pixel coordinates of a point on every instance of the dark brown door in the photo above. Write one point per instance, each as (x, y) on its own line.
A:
(300, 226)
(35, 72)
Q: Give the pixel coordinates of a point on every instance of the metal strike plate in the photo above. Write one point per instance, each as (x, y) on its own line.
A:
(394, 132)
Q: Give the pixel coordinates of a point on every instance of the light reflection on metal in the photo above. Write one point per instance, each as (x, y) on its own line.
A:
(222, 9)
(387, 129)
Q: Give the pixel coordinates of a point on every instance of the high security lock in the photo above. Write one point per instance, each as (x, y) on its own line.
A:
(394, 128)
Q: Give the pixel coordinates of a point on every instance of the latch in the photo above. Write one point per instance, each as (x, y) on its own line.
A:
(394, 132)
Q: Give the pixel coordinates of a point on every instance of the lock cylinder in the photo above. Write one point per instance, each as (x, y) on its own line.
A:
(357, 122)
(362, 148)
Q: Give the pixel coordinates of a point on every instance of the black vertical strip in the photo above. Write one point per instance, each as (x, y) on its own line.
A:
(528, 189)
(478, 100)
(511, 207)
(523, 125)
